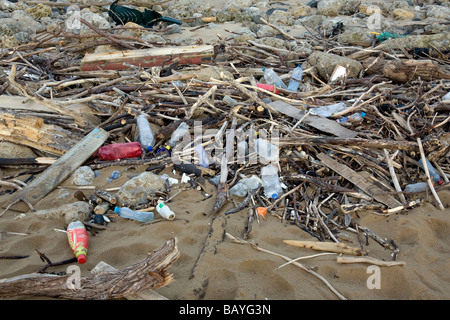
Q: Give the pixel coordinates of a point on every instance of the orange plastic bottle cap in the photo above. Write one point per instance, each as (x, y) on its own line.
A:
(261, 211)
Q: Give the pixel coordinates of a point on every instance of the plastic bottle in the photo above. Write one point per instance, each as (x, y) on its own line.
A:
(128, 213)
(229, 101)
(433, 174)
(202, 157)
(165, 211)
(178, 134)
(296, 78)
(116, 151)
(268, 87)
(271, 182)
(266, 150)
(78, 240)
(146, 137)
(417, 187)
(114, 175)
(352, 117)
(327, 111)
(245, 185)
(272, 78)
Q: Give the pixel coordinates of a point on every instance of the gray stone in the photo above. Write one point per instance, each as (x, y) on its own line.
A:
(325, 63)
(330, 8)
(83, 176)
(438, 12)
(136, 190)
(79, 210)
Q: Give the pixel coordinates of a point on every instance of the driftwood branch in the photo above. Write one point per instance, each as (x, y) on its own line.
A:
(150, 273)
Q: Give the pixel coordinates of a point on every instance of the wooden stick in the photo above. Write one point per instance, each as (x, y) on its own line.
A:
(327, 246)
(394, 177)
(369, 260)
(429, 181)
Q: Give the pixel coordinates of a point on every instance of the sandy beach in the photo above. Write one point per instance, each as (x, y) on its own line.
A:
(213, 267)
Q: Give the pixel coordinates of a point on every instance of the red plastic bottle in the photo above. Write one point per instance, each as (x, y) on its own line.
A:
(78, 240)
(120, 151)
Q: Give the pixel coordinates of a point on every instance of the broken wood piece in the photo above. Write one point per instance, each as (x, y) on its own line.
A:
(327, 246)
(364, 184)
(58, 171)
(369, 260)
(150, 273)
(147, 57)
(408, 70)
(320, 123)
(141, 295)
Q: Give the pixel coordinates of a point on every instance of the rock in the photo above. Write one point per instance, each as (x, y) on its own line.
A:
(438, 12)
(95, 19)
(79, 210)
(325, 63)
(298, 9)
(136, 190)
(39, 11)
(329, 8)
(281, 17)
(402, 14)
(9, 42)
(83, 176)
(311, 22)
(237, 5)
(356, 36)
(188, 8)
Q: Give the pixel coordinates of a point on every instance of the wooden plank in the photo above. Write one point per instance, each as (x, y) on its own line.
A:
(121, 60)
(358, 180)
(320, 123)
(58, 171)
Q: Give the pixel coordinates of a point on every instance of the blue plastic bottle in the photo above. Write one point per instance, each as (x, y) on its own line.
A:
(141, 216)
(296, 79)
(433, 174)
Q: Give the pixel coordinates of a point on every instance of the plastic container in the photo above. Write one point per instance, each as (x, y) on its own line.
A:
(178, 134)
(78, 240)
(245, 185)
(230, 101)
(417, 187)
(116, 151)
(114, 175)
(128, 213)
(352, 117)
(271, 182)
(268, 87)
(327, 111)
(433, 174)
(296, 79)
(272, 78)
(203, 160)
(266, 150)
(146, 137)
(164, 211)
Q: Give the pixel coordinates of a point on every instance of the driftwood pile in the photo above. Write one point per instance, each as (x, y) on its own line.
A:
(54, 93)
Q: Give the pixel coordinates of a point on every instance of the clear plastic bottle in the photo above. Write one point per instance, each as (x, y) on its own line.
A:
(116, 151)
(417, 187)
(271, 182)
(178, 134)
(352, 117)
(128, 213)
(245, 185)
(327, 111)
(296, 78)
(203, 160)
(146, 137)
(266, 150)
(433, 174)
(272, 78)
(165, 211)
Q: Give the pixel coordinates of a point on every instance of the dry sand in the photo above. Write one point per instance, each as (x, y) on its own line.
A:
(237, 271)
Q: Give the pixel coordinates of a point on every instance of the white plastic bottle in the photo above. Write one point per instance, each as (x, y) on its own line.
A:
(271, 182)
(203, 160)
(272, 78)
(244, 186)
(165, 211)
(433, 174)
(417, 187)
(327, 111)
(146, 137)
(296, 78)
(267, 150)
(128, 213)
(178, 134)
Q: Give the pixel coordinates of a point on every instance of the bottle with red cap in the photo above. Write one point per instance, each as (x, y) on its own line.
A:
(78, 240)
(116, 151)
